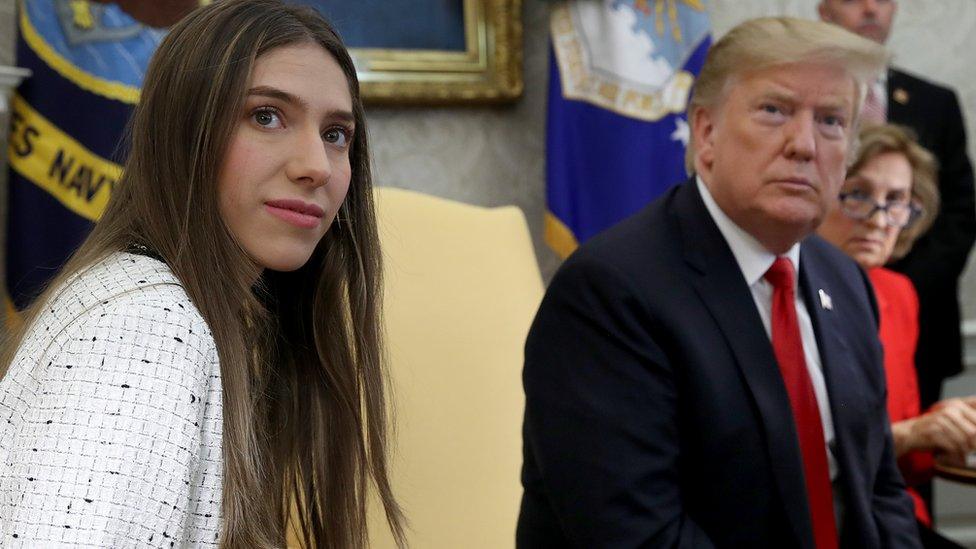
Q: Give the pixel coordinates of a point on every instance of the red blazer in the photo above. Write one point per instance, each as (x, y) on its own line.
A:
(898, 311)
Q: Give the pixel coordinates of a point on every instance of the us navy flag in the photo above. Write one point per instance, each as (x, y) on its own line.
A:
(88, 60)
(620, 76)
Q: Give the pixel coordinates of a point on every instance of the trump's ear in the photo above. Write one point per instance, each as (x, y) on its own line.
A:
(703, 136)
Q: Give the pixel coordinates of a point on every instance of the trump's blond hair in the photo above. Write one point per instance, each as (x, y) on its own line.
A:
(767, 42)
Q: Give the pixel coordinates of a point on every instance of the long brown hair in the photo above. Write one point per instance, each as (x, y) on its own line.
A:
(300, 352)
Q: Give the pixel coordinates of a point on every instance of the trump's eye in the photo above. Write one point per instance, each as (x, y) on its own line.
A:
(832, 125)
(771, 113)
(833, 120)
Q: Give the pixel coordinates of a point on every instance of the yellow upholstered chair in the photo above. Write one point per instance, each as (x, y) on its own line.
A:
(461, 287)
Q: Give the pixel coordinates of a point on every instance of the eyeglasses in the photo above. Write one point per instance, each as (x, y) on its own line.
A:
(897, 214)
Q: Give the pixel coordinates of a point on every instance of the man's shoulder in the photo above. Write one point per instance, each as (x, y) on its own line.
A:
(644, 238)
(842, 277)
(829, 259)
(816, 247)
(917, 84)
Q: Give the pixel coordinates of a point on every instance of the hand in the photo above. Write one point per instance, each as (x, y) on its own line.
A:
(948, 427)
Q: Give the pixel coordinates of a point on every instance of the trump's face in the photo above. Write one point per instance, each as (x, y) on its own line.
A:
(773, 151)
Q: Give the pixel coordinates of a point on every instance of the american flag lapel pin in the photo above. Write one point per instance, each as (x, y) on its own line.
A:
(900, 96)
(825, 300)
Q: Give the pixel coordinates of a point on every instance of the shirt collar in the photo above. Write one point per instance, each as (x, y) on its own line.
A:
(753, 259)
(880, 86)
(882, 80)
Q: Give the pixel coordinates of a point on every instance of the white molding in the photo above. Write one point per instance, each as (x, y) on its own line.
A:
(10, 78)
(953, 501)
(961, 530)
(968, 329)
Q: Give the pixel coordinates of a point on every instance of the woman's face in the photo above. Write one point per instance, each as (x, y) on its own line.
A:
(286, 171)
(885, 179)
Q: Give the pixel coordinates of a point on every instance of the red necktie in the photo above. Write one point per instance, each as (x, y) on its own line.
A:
(788, 348)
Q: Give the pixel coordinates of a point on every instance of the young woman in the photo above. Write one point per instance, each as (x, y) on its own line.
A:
(211, 354)
(888, 200)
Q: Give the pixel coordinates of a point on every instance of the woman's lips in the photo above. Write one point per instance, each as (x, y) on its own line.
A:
(296, 212)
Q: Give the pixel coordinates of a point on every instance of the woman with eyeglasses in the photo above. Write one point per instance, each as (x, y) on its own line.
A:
(888, 200)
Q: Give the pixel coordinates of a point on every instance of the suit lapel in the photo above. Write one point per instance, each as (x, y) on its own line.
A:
(816, 293)
(723, 290)
(835, 355)
(898, 97)
(837, 362)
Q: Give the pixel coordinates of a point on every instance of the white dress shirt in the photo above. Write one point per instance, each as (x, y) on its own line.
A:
(754, 260)
(880, 86)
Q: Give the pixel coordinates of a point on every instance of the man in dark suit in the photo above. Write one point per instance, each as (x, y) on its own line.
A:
(938, 257)
(705, 374)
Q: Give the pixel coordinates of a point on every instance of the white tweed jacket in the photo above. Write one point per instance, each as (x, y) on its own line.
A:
(110, 417)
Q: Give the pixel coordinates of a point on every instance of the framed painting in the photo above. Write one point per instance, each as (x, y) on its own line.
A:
(432, 51)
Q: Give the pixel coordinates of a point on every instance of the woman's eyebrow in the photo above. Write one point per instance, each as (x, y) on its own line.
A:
(291, 99)
(275, 93)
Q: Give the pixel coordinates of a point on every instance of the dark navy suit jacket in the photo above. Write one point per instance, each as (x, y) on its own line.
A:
(656, 415)
(938, 258)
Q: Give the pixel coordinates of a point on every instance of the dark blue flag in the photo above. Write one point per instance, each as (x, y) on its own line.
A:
(620, 76)
(88, 61)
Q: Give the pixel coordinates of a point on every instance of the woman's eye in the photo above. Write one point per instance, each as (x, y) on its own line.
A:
(267, 118)
(337, 136)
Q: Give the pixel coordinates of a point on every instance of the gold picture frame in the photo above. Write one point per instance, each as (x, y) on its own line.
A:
(488, 71)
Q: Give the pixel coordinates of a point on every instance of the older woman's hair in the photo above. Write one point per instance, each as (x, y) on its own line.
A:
(878, 140)
(767, 42)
